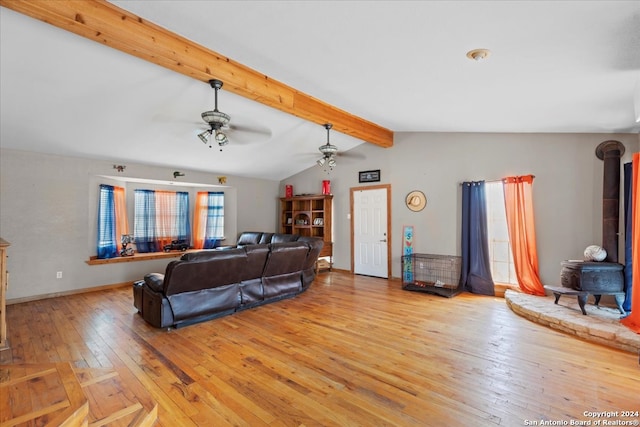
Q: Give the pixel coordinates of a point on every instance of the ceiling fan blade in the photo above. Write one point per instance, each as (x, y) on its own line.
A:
(350, 155)
(250, 129)
(243, 137)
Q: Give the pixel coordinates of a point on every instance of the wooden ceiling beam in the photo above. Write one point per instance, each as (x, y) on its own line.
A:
(112, 26)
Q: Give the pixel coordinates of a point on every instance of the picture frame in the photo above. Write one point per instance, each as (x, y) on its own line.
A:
(369, 176)
(289, 221)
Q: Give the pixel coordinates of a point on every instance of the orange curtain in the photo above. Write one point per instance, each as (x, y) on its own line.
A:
(200, 220)
(632, 321)
(122, 223)
(518, 200)
(166, 217)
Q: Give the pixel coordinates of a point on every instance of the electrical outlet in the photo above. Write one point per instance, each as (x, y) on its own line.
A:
(59, 275)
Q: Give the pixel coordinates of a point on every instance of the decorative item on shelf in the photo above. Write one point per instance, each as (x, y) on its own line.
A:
(127, 239)
(595, 253)
(416, 201)
(326, 187)
(177, 174)
(222, 180)
(288, 191)
(119, 168)
(369, 176)
(176, 245)
(289, 220)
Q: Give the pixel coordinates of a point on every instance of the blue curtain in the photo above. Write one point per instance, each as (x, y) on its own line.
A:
(475, 275)
(182, 222)
(144, 226)
(628, 203)
(107, 245)
(215, 219)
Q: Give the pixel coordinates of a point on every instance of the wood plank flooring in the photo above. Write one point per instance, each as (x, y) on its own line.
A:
(351, 351)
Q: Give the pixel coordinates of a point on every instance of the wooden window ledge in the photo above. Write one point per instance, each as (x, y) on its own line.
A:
(139, 257)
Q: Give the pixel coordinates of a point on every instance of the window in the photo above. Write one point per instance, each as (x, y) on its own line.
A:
(159, 218)
(112, 221)
(500, 255)
(209, 219)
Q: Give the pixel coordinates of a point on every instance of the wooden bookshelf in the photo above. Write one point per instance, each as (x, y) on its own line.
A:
(308, 216)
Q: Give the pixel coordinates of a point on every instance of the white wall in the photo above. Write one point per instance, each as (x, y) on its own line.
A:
(567, 188)
(48, 210)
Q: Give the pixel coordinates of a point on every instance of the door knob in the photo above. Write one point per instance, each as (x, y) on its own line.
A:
(383, 240)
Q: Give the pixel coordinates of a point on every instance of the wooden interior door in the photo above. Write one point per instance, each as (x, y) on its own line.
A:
(371, 237)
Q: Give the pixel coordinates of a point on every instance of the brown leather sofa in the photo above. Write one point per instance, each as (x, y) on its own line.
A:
(262, 268)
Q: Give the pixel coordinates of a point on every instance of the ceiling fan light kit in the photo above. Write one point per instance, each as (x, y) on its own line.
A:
(204, 136)
(221, 138)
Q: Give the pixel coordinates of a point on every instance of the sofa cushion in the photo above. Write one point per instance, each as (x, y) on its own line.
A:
(155, 281)
(309, 267)
(256, 259)
(283, 238)
(249, 238)
(265, 238)
(199, 255)
(189, 305)
(221, 268)
(286, 257)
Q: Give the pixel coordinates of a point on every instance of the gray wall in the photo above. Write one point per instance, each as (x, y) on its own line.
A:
(56, 233)
(48, 208)
(567, 188)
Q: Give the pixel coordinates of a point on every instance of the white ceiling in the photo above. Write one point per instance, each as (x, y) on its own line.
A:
(555, 66)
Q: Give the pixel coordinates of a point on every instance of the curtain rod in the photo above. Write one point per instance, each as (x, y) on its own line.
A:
(492, 181)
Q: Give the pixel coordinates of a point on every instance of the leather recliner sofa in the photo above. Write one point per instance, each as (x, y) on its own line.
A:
(202, 285)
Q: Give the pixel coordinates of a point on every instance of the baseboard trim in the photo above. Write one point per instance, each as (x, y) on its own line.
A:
(67, 293)
(391, 278)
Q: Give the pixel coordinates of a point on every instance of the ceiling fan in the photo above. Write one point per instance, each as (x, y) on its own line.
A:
(328, 151)
(216, 120)
(219, 126)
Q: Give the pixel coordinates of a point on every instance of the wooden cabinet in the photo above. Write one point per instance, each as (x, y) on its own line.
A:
(308, 216)
(4, 343)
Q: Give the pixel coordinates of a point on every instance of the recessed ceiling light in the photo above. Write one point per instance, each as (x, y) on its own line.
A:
(478, 54)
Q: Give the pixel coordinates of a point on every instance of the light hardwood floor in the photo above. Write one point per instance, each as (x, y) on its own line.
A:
(351, 351)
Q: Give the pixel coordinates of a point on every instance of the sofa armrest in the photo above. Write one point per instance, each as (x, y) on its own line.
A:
(155, 281)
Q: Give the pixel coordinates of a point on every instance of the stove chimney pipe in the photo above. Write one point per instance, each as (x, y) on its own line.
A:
(610, 152)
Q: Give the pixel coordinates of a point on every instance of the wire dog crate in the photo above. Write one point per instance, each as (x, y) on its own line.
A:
(436, 274)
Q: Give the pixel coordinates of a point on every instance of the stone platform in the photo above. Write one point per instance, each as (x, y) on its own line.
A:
(600, 325)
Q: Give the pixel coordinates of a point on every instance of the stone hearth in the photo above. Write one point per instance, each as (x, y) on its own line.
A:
(600, 325)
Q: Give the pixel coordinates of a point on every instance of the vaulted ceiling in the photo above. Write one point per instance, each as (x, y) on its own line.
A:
(372, 67)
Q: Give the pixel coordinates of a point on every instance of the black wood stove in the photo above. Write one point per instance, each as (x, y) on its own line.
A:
(582, 278)
(595, 278)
